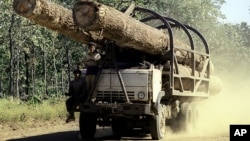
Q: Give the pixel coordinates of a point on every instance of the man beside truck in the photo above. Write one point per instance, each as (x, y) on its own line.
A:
(77, 92)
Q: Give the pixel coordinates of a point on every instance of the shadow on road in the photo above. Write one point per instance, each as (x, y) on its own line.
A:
(101, 135)
(62, 136)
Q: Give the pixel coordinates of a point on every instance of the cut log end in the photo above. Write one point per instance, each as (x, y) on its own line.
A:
(24, 7)
(84, 13)
(216, 85)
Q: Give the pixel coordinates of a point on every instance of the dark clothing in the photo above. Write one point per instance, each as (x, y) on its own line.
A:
(77, 87)
(71, 104)
(77, 93)
(92, 70)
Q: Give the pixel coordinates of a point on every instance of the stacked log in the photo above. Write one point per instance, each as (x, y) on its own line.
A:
(216, 85)
(90, 18)
(185, 73)
(129, 32)
(54, 17)
(123, 29)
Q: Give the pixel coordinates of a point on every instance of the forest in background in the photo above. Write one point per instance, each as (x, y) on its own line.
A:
(37, 62)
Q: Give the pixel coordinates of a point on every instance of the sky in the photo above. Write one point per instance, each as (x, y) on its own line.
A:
(237, 11)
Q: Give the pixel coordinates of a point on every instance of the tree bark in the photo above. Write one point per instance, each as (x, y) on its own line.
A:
(95, 19)
(53, 17)
(11, 66)
(119, 27)
(27, 72)
(45, 70)
(130, 32)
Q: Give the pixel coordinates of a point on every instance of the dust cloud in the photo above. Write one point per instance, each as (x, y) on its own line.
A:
(230, 106)
(218, 112)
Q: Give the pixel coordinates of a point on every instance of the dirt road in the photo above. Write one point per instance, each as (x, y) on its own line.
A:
(216, 115)
(70, 132)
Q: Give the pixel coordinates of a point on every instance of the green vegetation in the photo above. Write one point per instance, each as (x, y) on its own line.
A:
(18, 111)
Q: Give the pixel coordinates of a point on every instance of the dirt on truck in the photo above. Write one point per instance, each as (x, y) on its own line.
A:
(153, 69)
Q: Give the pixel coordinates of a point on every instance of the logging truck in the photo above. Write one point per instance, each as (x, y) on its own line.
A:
(133, 95)
(148, 79)
(142, 90)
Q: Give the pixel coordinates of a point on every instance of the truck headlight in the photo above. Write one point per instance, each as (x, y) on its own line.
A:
(141, 95)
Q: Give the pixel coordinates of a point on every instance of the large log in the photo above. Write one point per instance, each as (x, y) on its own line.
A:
(97, 18)
(54, 17)
(119, 27)
(215, 85)
(129, 32)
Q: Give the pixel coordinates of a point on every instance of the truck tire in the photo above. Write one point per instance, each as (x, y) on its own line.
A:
(158, 125)
(188, 117)
(87, 124)
(174, 124)
(195, 117)
(186, 121)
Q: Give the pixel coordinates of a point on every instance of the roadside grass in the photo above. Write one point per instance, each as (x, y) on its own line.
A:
(16, 111)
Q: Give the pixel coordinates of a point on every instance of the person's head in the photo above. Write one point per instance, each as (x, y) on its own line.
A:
(77, 73)
(92, 46)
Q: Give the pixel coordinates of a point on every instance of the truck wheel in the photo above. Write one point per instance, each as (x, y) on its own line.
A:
(87, 124)
(188, 116)
(174, 124)
(195, 117)
(158, 125)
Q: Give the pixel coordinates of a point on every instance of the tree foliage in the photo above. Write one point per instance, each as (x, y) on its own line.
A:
(40, 61)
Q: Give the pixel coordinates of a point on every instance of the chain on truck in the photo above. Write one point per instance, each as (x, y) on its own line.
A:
(135, 90)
